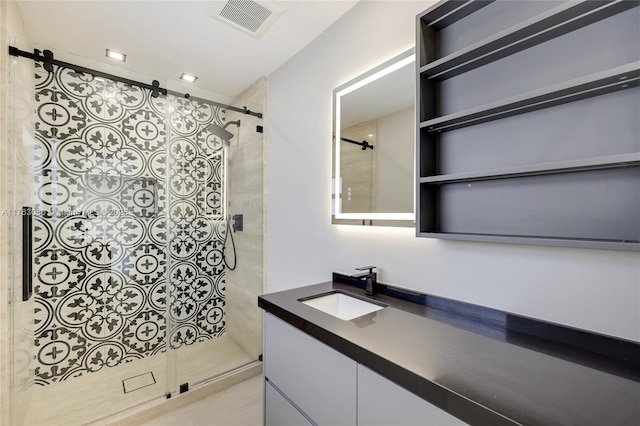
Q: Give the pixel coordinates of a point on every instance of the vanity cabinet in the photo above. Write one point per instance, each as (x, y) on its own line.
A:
(318, 380)
(382, 403)
(527, 123)
(279, 410)
(307, 382)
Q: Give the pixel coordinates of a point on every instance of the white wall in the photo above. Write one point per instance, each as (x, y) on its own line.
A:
(591, 289)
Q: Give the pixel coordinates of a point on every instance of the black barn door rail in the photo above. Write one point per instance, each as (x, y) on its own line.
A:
(46, 57)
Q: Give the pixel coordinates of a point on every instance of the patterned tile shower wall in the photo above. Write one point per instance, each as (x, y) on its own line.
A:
(124, 178)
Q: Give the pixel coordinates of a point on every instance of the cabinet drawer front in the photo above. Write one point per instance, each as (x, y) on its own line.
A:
(279, 412)
(318, 379)
(381, 403)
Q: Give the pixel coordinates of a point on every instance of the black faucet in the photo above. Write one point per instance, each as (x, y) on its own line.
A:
(370, 278)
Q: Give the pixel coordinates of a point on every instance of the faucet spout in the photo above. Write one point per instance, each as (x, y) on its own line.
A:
(369, 289)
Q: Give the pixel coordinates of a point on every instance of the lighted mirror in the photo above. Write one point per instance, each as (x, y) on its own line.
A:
(373, 146)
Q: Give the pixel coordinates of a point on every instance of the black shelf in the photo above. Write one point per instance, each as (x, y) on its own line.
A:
(442, 15)
(541, 241)
(546, 26)
(618, 78)
(584, 164)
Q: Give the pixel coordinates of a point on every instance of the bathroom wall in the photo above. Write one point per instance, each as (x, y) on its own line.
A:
(246, 197)
(16, 115)
(590, 289)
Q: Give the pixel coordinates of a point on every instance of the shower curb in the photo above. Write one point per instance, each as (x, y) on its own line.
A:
(147, 411)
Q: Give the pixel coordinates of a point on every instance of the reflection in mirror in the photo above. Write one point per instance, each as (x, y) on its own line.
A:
(373, 146)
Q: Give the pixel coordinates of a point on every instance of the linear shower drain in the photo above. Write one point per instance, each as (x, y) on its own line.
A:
(138, 382)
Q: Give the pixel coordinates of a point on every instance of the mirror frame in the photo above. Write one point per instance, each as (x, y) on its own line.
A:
(371, 219)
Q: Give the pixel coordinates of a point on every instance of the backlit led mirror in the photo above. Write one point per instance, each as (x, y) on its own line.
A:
(373, 146)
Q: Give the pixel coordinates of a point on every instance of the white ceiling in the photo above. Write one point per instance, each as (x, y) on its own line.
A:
(163, 39)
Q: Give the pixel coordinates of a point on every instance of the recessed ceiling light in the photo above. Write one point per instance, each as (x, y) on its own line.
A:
(188, 77)
(116, 55)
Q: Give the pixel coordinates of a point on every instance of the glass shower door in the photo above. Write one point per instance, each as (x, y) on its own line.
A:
(196, 229)
(130, 192)
(98, 255)
(201, 347)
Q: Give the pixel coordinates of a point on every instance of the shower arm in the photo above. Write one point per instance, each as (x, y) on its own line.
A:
(363, 144)
(235, 123)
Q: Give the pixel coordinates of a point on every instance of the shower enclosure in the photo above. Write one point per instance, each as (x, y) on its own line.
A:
(125, 223)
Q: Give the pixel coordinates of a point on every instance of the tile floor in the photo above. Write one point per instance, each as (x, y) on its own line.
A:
(238, 405)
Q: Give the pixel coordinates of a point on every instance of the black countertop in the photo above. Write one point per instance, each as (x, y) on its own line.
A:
(482, 373)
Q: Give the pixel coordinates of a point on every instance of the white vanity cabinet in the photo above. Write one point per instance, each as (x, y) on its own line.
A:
(320, 381)
(279, 411)
(307, 382)
(382, 403)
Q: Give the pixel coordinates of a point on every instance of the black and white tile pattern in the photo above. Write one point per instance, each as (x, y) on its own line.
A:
(128, 218)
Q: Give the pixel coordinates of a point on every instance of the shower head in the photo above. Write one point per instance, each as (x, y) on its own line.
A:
(221, 132)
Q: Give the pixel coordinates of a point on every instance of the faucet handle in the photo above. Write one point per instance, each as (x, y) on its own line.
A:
(364, 268)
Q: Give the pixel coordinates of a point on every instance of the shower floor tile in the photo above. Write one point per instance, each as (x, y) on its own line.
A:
(92, 396)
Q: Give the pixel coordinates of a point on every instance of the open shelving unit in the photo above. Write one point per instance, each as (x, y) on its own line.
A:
(559, 194)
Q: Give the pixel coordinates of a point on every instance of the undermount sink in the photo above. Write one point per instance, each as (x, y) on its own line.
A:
(342, 305)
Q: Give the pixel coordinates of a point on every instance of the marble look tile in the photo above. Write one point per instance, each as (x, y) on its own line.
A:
(246, 195)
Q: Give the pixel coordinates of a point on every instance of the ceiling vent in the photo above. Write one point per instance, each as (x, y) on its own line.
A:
(249, 16)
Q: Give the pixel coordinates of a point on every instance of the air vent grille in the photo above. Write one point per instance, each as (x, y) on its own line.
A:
(253, 17)
(246, 13)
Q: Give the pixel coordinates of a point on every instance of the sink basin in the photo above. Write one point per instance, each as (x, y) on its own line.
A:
(342, 305)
